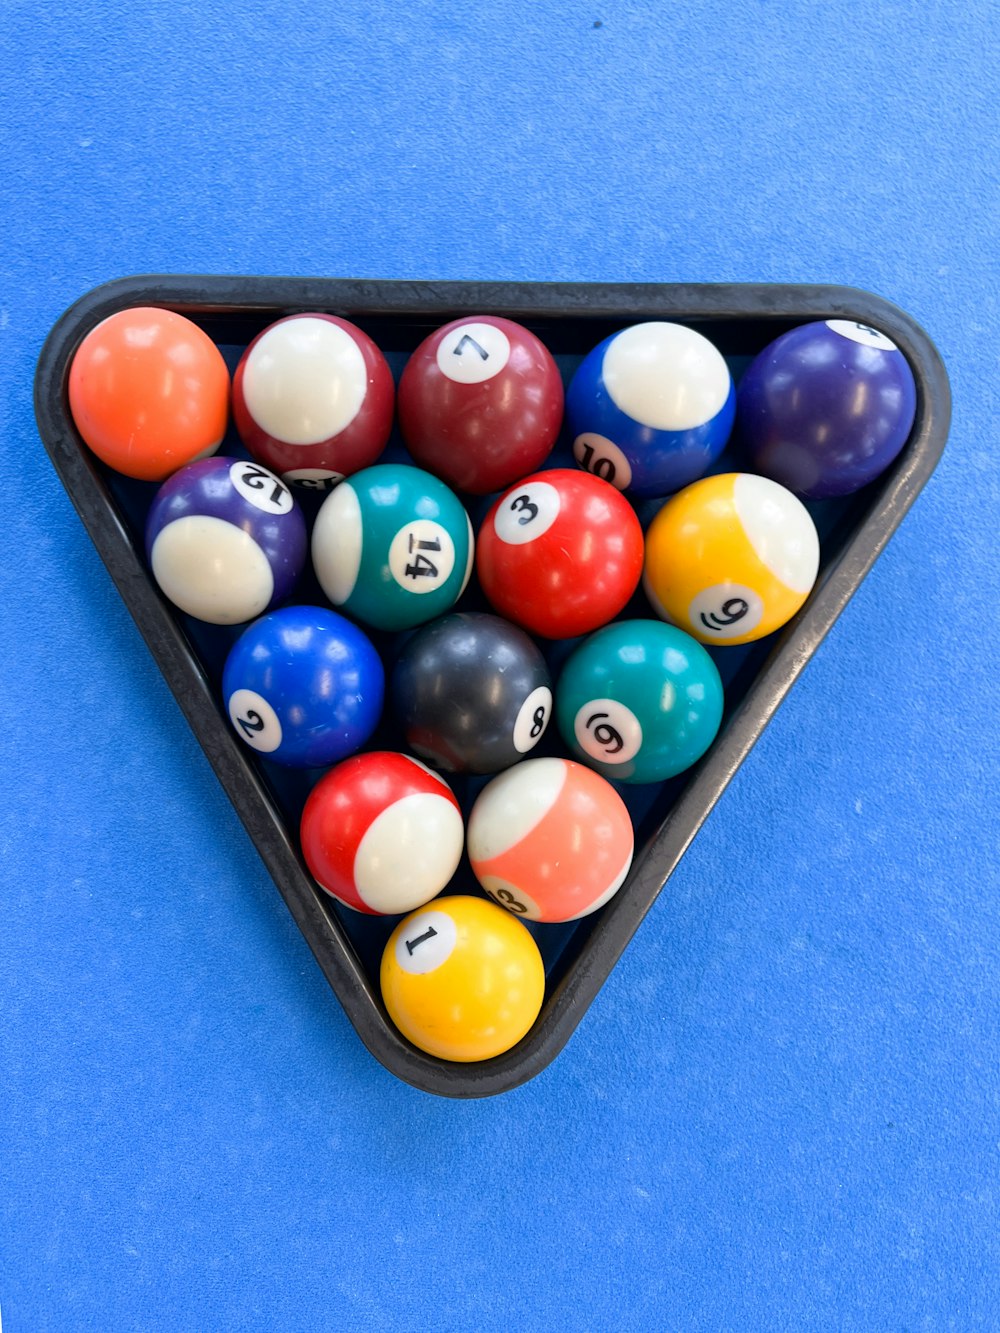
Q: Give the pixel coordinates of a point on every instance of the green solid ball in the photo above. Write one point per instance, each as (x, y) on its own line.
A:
(640, 701)
(392, 546)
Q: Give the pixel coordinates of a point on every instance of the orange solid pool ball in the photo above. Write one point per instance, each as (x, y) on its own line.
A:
(462, 979)
(149, 392)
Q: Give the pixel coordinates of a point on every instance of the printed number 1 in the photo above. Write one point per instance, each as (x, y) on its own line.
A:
(428, 934)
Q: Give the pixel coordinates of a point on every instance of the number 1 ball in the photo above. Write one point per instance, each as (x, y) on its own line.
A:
(303, 686)
(381, 833)
(481, 403)
(827, 407)
(472, 693)
(651, 408)
(225, 540)
(550, 840)
(731, 558)
(149, 392)
(560, 553)
(462, 979)
(313, 399)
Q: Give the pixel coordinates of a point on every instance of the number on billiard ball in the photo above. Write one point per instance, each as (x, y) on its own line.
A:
(560, 553)
(731, 558)
(650, 408)
(303, 686)
(480, 403)
(393, 546)
(462, 979)
(472, 693)
(550, 840)
(225, 540)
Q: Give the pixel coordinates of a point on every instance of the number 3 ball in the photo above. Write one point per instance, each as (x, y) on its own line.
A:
(550, 840)
(225, 540)
(393, 546)
(313, 399)
(472, 693)
(651, 408)
(731, 558)
(381, 833)
(303, 686)
(149, 392)
(560, 553)
(826, 407)
(462, 979)
(639, 701)
(481, 403)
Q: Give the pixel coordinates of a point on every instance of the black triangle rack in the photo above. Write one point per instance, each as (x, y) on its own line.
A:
(570, 318)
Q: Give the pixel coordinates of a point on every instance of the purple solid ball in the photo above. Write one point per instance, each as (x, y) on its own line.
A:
(825, 408)
(226, 540)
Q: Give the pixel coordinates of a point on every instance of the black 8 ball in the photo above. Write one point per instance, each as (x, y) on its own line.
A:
(472, 693)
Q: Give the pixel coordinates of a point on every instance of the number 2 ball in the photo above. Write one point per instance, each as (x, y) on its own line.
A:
(225, 540)
(303, 687)
(731, 558)
(550, 840)
(560, 553)
(462, 979)
(313, 399)
(381, 833)
(651, 408)
(481, 403)
(826, 407)
(393, 546)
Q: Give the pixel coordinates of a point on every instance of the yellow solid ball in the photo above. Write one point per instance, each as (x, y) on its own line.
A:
(731, 558)
(462, 979)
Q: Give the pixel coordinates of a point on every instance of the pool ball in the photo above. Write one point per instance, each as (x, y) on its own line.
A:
(550, 840)
(225, 540)
(313, 399)
(149, 392)
(639, 701)
(560, 553)
(651, 408)
(480, 403)
(472, 693)
(731, 558)
(826, 407)
(393, 546)
(462, 979)
(303, 686)
(381, 833)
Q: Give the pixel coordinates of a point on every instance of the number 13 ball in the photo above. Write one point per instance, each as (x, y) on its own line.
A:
(651, 408)
(731, 558)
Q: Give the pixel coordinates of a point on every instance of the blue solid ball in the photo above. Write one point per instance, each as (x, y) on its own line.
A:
(225, 540)
(303, 686)
(651, 408)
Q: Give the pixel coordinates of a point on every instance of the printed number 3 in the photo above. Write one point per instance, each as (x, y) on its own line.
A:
(529, 510)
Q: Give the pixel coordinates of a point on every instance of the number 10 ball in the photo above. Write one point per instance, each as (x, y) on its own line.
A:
(651, 408)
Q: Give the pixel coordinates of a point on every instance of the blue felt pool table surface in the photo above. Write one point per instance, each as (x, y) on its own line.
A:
(781, 1111)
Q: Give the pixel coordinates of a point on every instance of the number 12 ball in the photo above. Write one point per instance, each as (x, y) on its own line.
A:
(651, 408)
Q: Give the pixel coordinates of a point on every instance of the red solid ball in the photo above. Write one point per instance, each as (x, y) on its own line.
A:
(560, 553)
(481, 403)
(381, 833)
